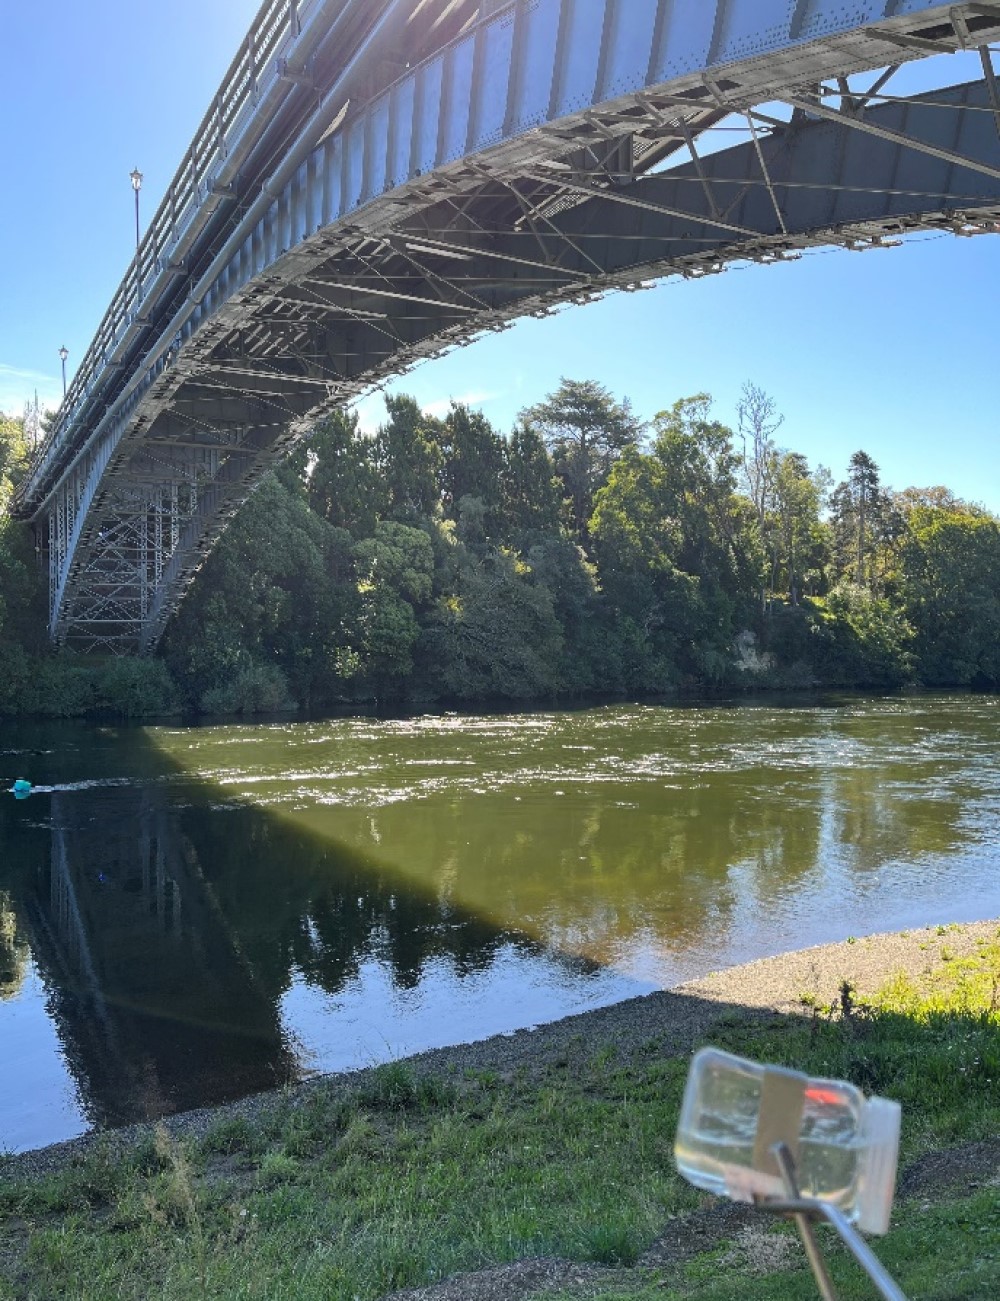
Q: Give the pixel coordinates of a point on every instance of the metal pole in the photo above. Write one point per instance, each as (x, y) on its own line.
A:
(806, 1209)
(786, 1166)
(63, 354)
(991, 82)
(135, 176)
(885, 1284)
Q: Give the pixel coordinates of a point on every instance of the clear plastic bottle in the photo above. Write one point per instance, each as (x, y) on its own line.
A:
(844, 1145)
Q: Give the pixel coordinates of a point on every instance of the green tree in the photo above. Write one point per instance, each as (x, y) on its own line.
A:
(674, 543)
(638, 541)
(950, 589)
(866, 497)
(862, 522)
(398, 557)
(497, 637)
(278, 591)
(23, 615)
(22, 588)
(15, 453)
(395, 573)
(872, 639)
(758, 421)
(343, 483)
(801, 540)
(586, 430)
(530, 491)
(591, 654)
(136, 688)
(472, 467)
(699, 473)
(22, 585)
(407, 451)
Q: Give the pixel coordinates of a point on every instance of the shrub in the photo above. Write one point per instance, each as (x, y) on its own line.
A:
(254, 689)
(15, 675)
(137, 688)
(62, 687)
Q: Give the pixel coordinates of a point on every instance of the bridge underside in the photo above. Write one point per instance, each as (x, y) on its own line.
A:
(470, 249)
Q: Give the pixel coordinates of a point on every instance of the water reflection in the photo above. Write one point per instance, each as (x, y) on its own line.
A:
(297, 901)
(202, 913)
(13, 950)
(659, 841)
(156, 1006)
(176, 940)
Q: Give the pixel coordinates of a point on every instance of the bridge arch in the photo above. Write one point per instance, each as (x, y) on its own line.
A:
(519, 165)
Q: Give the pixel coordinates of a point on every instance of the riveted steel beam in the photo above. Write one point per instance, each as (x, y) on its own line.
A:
(884, 132)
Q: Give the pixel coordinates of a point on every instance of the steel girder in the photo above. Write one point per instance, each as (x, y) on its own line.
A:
(502, 174)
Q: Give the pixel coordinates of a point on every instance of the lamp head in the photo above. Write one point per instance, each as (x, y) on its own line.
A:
(135, 176)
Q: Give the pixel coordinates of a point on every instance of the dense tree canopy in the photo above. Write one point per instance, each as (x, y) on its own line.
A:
(584, 553)
(949, 581)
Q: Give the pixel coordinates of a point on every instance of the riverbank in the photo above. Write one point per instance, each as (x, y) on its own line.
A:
(794, 983)
(551, 1147)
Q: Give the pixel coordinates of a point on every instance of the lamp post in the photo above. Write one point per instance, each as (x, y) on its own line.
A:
(135, 176)
(63, 354)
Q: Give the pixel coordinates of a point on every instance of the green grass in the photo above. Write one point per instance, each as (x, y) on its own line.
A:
(412, 1178)
(949, 1252)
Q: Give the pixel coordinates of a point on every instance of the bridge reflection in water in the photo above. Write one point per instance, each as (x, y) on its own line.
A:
(156, 1005)
(171, 934)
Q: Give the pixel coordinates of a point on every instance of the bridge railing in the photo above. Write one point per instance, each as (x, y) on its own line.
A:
(175, 223)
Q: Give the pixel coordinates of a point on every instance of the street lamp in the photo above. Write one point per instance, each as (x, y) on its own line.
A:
(63, 354)
(135, 176)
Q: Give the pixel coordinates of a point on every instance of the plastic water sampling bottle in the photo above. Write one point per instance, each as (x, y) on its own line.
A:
(844, 1145)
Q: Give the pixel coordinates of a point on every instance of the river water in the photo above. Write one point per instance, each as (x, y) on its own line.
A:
(188, 915)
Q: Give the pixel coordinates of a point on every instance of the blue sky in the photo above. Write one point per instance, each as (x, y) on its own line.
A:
(893, 351)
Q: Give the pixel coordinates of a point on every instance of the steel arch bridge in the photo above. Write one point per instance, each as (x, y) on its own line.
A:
(378, 181)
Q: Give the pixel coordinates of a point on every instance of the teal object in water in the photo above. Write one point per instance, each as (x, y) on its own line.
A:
(21, 788)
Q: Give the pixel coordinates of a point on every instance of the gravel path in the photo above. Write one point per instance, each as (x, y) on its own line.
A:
(676, 1019)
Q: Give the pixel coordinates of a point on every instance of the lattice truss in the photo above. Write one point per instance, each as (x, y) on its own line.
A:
(128, 537)
(662, 183)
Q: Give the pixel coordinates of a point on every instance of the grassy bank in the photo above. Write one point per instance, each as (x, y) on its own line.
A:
(414, 1177)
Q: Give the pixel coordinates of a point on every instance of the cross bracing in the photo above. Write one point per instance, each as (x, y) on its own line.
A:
(381, 180)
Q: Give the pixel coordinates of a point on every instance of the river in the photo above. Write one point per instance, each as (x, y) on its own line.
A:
(191, 914)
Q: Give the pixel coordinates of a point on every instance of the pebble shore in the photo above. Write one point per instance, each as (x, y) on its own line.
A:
(676, 1019)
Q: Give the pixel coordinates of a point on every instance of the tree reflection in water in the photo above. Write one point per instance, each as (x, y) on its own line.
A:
(13, 950)
(167, 935)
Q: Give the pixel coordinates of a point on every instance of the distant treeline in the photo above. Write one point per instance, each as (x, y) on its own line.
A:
(586, 554)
